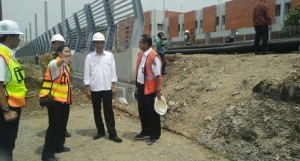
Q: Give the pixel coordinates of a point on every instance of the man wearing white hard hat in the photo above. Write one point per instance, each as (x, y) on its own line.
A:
(187, 38)
(56, 41)
(100, 78)
(12, 88)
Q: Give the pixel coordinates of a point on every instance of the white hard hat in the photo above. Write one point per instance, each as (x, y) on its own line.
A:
(9, 27)
(57, 37)
(98, 37)
(160, 105)
(186, 31)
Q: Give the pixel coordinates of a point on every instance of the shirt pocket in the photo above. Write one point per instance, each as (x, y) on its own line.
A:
(107, 63)
(94, 68)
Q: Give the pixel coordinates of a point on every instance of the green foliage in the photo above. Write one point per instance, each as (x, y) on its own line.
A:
(293, 17)
(291, 27)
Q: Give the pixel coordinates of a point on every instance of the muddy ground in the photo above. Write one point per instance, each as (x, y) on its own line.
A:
(211, 106)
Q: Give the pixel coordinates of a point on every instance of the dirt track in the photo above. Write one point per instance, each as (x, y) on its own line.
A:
(171, 147)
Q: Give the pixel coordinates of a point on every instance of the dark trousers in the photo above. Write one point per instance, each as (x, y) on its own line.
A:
(261, 33)
(55, 135)
(8, 135)
(150, 120)
(164, 62)
(106, 97)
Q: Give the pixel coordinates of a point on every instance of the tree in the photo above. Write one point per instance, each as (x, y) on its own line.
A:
(293, 17)
(291, 27)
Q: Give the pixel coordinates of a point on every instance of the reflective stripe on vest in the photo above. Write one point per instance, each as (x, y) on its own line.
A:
(60, 87)
(150, 82)
(15, 87)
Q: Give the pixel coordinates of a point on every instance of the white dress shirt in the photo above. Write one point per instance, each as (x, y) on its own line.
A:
(100, 71)
(156, 69)
(4, 72)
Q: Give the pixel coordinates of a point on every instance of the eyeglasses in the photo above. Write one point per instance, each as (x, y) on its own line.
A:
(98, 42)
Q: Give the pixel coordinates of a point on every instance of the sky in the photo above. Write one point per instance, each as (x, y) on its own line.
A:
(23, 11)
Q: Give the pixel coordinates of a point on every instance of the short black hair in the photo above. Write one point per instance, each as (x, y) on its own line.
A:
(147, 39)
(61, 48)
(4, 37)
(160, 34)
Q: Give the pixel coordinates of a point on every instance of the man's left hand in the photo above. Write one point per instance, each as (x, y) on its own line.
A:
(114, 90)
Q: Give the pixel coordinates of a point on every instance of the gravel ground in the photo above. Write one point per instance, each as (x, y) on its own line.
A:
(171, 147)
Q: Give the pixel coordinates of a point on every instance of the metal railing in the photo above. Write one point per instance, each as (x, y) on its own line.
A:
(121, 21)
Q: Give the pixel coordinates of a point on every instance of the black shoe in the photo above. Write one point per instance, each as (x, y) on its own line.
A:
(67, 134)
(141, 136)
(152, 141)
(50, 159)
(115, 139)
(98, 136)
(63, 149)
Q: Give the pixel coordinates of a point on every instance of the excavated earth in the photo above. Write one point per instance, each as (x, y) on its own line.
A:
(240, 106)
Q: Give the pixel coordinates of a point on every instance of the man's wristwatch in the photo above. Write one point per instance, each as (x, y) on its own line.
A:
(6, 109)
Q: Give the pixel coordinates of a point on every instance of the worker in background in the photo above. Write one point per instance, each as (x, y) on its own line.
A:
(161, 46)
(100, 79)
(36, 58)
(192, 37)
(56, 41)
(12, 88)
(187, 38)
(262, 24)
(149, 86)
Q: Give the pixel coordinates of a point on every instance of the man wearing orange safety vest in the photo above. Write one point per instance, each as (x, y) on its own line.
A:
(149, 86)
(12, 88)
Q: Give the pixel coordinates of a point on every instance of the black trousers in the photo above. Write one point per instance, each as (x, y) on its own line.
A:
(55, 135)
(8, 135)
(261, 33)
(150, 120)
(106, 97)
(164, 62)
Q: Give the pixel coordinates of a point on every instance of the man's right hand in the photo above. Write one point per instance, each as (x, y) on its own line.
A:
(10, 115)
(88, 93)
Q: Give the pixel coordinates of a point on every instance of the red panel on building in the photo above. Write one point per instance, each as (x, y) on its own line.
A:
(189, 20)
(209, 19)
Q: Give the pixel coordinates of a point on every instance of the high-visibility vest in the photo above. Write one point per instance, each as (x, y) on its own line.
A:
(15, 87)
(149, 79)
(60, 87)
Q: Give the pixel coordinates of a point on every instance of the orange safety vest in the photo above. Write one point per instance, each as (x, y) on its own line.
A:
(150, 82)
(15, 87)
(60, 87)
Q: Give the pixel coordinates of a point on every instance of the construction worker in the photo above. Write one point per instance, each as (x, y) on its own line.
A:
(56, 41)
(12, 88)
(161, 46)
(187, 38)
(262, 23)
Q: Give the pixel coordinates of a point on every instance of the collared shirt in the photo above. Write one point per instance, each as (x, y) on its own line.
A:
(100, 71)
(4, 72)
(155, 68)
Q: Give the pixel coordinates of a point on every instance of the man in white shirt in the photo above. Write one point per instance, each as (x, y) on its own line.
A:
(149, 86)
(99, 78)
